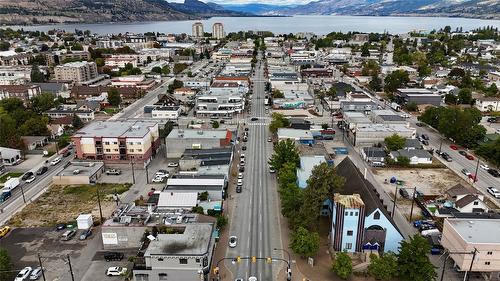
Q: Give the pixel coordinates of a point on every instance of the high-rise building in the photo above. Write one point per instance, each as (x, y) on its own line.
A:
(218, 31)
(80, 71)
(198, 29)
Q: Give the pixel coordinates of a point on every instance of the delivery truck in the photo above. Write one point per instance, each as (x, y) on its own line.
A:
(11, 183)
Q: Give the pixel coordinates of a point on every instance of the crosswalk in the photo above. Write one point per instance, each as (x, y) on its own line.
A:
(259, 124)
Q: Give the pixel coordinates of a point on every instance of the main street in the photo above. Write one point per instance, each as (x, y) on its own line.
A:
(254, 219)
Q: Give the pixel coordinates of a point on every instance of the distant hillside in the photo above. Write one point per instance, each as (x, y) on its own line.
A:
(55, 11)
(258, 9)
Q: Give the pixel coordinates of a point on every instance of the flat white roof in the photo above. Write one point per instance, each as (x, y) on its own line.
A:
(477, 230)
(178, 199)
(196, 181)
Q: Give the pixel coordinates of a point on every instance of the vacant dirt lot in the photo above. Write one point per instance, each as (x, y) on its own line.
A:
(62, 204)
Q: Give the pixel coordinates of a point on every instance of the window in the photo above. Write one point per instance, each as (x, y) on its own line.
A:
(348, 246)
(115, 142)
(352, 213)
(356, 213)
(489, 253)
(130, 150)
(138, 143)
(107, 143)
(160, 259)
(197, 260)
(162, 276)
(183, 261)
(486, 263)
(349, 233)
(476, 203)
(346, 214)
(116, 149)
(108, 150)
(376, 216)
(139, 150)
(142, 277)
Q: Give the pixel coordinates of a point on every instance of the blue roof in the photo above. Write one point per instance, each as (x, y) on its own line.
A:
(307, 163)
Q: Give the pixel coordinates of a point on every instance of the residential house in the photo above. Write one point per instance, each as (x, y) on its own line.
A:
(34, 142)
(373, 154)
(359, 219)
(9, 156)
(416, 156)
(485, 104)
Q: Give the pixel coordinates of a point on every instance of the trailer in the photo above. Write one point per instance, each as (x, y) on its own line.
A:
(11, 184)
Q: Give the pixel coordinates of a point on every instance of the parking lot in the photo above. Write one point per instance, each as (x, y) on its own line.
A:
(98, 266)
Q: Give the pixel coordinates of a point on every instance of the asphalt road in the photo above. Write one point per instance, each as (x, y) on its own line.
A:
(31, 190)
(255, 217)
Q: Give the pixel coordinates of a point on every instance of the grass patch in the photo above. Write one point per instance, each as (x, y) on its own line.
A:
(12, 175)
(111, 110)
(61, 204)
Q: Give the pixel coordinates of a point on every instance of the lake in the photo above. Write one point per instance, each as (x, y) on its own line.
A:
(317, 24)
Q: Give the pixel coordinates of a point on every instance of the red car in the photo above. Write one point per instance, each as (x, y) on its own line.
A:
(473, 177)
(470, 157)
(454, 147)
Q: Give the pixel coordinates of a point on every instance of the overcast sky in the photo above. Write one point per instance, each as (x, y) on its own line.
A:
(274, 2)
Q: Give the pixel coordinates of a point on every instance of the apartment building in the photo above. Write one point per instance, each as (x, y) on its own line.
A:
(197, 29)
(78, 72)
(14, 75)
(22, 92)
(219, 104)
(218, 31)
(469, 235)
(121, 61)
(117, 141)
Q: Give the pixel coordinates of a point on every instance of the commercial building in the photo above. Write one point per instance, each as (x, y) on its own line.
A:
(360, 221)
(11, 57)
(79, 173)
(185, 255)
(117, 141)
(197, 30)
(14, 75)
(117, 62)
(136, 81)
(223, 100)
(85, 92)
(22, 92)
(368, 133)
(218, 31)
(181, 139)
(187, 183)
(307, 164)
(293, 99)
(86, 115)
(300, 136)
(418, 96)
(166, 112)
(9, 156)
(78, 72)
(466, 235)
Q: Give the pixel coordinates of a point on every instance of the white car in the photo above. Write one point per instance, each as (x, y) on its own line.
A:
(116, 271)
(494, 191)
(23, 274)
(162, 174)
(36, 273)
(30, 179)
(272, 170)
(173, 164)
(56, 161)
(484, 167)
(240, 175)
(233, 241)
(252, 278)
(158, 179)
(240, 181)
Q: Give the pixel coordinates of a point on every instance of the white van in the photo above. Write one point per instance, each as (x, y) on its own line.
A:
(430, 232)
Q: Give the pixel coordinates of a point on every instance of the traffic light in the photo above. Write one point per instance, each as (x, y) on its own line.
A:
(216, 270)
(254, 259)
(238, 259)
(269, 260)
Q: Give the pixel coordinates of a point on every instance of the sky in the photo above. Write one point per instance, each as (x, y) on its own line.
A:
(273, 2)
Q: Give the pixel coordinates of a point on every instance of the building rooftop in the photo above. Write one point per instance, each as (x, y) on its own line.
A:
(353, 201)
(384, 128)
(197, 134)
(74, 64)
(409, 153)
(476, 230)
(81, 169)
(116, 129)
(194, 241)
(307, 164)
(294, 133)
(178, 199)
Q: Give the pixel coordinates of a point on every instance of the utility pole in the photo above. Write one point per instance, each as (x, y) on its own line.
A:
(99, 203)
(413, 202)
(147, 176)
(22, 192)
(133, 173)
(41, 266)
(394, 203)
(467, 274)
(70, 269)
(475, 174)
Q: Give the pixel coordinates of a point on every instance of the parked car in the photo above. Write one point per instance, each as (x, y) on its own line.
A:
(233, 241)
(473, 177)
(425, 142)
(113, 256)
(67, 153)
(240, 175)
(85, 234)
(238, 189)
(36, 273)
(470, 157)
(173, 164)
(27, 176)
(254, 119)
(269, 139)
(68, 235)
(252, 278)
(23, 274)
(114, 172)
(494, 173)
(429, 232)
(60, 226)
(465, 172)
(404, 193)
(4, 230)
(244, 148)
(425, 137)
(493, 191)
(158, 179)
(241, 169)
(42, 170)
(56, 161)
(454, 147)
(272, 170)
(418, 223)
(461, 152)
(420, 124)
(116, 271)
(484, 166)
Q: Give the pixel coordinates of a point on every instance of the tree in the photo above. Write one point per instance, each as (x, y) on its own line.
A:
(77, 122)
(176, 84)
(215, 124)
(4, 46)
(77, 47)
(278, 121)
(114, 97)
(450, 99)
(321, 185)
(465, 96)
(304, 243)
(375, 83)
(413, 262)
(383, 267)
(5, 266)
(36, 75)
(277, 94)
(179, 67)
(35, 126)
(156, 69)
(221, 221)
(395, 80)
(290, 192)
(43, 102)
(395, 142)
(9, 135)
(403, 161)
(324, 126)
(412, 106)
(492, 90)
(490, 151)
(365, 50)
(284, 151)
(165, 70)
(342, 265)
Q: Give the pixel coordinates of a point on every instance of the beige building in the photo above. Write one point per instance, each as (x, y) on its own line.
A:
(198, 29)
(117, 141)
(78, 72)
(467, 235)
(218, 31)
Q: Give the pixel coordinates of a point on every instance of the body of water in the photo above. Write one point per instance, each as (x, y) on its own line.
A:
(317, 24)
